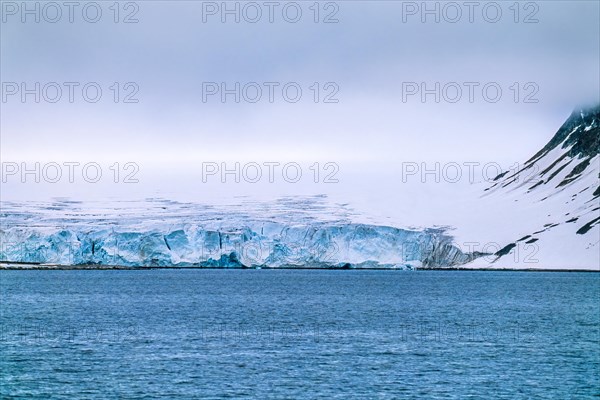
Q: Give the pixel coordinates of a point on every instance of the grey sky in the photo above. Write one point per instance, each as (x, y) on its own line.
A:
(368, 54)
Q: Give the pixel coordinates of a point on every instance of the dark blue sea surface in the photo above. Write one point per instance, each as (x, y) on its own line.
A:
(299, 334)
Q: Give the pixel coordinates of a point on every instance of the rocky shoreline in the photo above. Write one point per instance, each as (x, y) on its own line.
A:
(18, 266)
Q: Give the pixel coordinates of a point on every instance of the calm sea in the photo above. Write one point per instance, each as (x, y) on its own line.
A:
(299, 334)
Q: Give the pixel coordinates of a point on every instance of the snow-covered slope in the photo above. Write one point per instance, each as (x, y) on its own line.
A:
(547, 213)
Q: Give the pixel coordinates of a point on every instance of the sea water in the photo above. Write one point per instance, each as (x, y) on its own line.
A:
(299, 334)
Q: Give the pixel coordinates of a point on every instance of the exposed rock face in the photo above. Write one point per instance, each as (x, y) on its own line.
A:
(571, 151)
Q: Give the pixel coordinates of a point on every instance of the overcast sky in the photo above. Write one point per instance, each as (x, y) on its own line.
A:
(366, 61)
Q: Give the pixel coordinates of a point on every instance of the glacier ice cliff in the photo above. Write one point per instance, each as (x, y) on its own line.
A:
(296, 233)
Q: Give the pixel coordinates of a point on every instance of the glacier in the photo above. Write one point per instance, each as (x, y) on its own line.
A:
(542, 215)
(286, 233)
